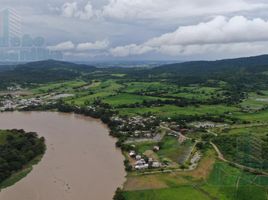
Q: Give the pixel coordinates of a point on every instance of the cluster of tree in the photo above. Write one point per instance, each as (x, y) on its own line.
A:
(18, 149)
(119, 195)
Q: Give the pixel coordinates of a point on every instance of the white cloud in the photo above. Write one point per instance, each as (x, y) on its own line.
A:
(98, 45)
(64, 46)
(159, 9)
(220, 34)
(174, 9)
(72, 10)
(218, 30)
(69, 9)
(82, 48)
(129, 50)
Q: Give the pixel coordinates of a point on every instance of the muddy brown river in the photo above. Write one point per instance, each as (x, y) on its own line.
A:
(81, 161)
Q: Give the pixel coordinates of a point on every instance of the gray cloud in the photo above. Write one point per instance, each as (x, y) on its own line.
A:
(218, 33)
(143, 28)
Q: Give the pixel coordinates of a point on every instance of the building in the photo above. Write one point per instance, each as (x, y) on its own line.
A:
(10, 28)
(16, 46)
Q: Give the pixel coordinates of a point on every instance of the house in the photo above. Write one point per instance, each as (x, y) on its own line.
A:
(156, 148)
(156, 164)
(140, 162)
(132, 153)
(138, 157)
(140, 167)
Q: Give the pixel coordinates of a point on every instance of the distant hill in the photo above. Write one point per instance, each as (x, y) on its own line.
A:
(44, 71)
(55, 65)
(250, 64)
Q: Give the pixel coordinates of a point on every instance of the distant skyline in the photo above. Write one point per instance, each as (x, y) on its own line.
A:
(17, 46)
(89, 30)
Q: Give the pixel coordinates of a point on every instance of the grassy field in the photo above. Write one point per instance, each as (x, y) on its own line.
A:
(259, 130)
(173, 150)
(134, 87)
(223, 183)
(260, 116)
(256, 101)
(176, 185)
(180, 193)
(235, 184)
(98, 90)
(125, 99)
(173, 111)
(59, 87)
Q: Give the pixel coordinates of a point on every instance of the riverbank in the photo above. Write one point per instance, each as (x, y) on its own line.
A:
(79, 158)
(19, 152)
(17, 176)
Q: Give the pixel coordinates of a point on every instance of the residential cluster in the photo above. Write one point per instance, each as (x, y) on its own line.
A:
(142, 163)
(13, 102)
(137, 127)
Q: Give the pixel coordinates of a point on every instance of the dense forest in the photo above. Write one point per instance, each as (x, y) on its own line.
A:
(17, 148)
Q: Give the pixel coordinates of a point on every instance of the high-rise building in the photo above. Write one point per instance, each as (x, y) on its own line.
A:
(16, 46)
(10, 27)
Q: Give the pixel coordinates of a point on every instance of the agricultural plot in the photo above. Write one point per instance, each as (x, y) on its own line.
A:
(197, 92)
(173, 111)
(257, 130)
(233, 184)
(99, 90)
(59, 87)
(126, 99)
(256, 101)
(180, 193)
(260, 116)
(135, 87)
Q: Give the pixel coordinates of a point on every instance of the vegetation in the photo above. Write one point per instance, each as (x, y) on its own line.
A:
(18, 151)
(224, 102)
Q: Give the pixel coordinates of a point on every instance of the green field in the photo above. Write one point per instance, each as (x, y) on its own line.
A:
(174, 151)
(170, 149)
(180, 193)
(235, 184)
(173, 111)
(59, 87)
(132, 97)
(256, 101)
(224, 183)
(125, 99)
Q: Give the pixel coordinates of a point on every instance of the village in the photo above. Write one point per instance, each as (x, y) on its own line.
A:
(151, 143)
(146, 137)
(14, 102)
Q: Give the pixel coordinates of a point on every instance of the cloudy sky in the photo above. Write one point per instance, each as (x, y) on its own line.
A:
(147, 29)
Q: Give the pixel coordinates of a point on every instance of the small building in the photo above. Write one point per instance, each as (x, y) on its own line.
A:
(140, 167)
(138, 157)
(156, 164)
(156, 148)
(132, 153)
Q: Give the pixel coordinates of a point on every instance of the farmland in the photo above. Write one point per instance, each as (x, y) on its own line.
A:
(166, 122)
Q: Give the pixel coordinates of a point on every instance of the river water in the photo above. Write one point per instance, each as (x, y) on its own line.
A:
(81, 161)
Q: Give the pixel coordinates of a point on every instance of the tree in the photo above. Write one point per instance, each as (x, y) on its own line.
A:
(119, 195)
